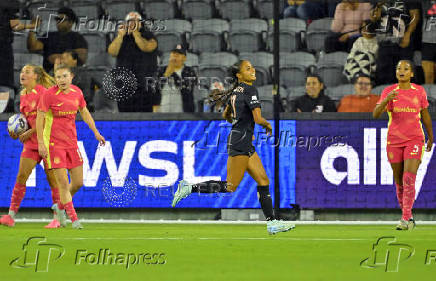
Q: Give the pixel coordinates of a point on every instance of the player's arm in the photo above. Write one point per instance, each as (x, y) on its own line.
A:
(143, 44)
(381, 107)
(258, 119)
(40, 118)
(87, 118)
(227, 114)
(426, 120)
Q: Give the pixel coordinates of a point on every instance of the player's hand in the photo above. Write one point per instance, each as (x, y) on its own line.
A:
(42, 150)
(12, 135)
(429, 145)
(268, 129)
(100, 139)
(392, 95)
(26, 135)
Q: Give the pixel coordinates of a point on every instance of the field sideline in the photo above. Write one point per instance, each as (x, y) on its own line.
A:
(170, 251)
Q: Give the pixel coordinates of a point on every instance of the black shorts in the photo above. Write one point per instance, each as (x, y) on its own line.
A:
(240, 143)
(428, 52)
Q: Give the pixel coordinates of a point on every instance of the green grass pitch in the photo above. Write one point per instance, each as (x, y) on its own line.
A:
(178, 252)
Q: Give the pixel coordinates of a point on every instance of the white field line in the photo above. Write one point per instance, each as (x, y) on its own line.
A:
(227, 222)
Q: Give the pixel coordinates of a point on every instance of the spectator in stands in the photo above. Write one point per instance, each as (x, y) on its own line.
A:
(81, 77)
(398, 23)
(56, 43)
(314, 100)
(136, 49)
(429, 41)
(363, 55)
(362, 100)
(310, 9)
(9, 23)
(346, 24)
(176, 82)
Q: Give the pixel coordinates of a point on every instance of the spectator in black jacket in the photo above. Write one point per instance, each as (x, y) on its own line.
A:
(175, 84)
(314, 100)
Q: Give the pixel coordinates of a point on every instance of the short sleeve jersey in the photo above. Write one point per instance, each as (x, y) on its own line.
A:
(242, 101)
(405, 114)
(61, 109)
(29, 108)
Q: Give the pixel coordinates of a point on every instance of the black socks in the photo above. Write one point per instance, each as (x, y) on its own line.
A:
(266, 202)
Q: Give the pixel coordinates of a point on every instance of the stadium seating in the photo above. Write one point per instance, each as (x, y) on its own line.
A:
(263, 62)
(293, 68)
(379, 89)
(89, 9)
(119, 9)
(100, 60)
(235, 9)
(20, 43)
(208, 35)
(97, 42)
(338, 92)
(198, 9)
(330, 68)
(159, 9)
(174, 34)
(290, 34)
(265, 8)
(316, 34)
(21, 60)
(247, 35)
(215, 65)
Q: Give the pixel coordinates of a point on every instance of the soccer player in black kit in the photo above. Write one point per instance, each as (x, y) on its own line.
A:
(243, 110)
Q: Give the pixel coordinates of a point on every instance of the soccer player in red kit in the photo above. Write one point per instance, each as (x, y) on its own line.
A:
(33, 80)
(57, 138)
(406, 104)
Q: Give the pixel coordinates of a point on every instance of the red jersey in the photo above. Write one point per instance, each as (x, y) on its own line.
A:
(405, 114)
(61, 109)
(29, 107)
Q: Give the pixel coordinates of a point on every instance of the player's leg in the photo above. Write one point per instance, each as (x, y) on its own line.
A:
(412, 159)
(236, 167)
(25, 169)
(65, 195)
(397, 169)
(76, 175)
(257, 172)
(54, 187)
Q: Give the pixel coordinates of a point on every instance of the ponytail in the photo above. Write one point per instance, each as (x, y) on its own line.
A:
(219, 97)
(44, 79)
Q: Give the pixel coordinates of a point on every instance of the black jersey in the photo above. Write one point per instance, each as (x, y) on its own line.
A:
(242, 101)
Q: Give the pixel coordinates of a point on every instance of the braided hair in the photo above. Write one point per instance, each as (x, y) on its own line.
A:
(218, 97)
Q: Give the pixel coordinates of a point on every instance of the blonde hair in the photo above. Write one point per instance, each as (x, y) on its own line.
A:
(44, 79)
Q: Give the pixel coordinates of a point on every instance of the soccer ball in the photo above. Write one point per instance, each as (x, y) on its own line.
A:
(17, 124)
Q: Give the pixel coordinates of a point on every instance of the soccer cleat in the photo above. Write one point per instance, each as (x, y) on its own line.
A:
(276, 226)
(77, 225)
(53, 224)
(60, 215)
(7, 220)
(411, 224)
(183, 190)
(403, 225)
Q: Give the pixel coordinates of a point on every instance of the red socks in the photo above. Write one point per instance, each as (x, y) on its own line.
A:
(55, 196)
(71, 212)
(408, 194)
(400, 195)
(17, 196)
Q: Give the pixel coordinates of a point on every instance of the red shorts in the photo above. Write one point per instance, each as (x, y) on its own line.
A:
(31, 154)
(63, 158)
(410, 150)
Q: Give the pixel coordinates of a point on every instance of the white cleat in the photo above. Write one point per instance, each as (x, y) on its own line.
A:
(183, 190)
